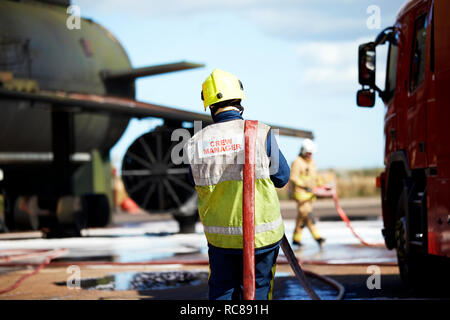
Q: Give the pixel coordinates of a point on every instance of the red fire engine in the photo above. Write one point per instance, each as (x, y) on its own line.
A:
(415, 185)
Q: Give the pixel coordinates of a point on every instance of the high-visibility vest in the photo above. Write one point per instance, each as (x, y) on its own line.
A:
(216, 156)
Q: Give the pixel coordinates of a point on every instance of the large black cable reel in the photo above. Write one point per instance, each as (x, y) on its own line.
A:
(155, 183)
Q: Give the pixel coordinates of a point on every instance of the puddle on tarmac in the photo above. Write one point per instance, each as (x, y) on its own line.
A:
(144, 281)
(289, 288)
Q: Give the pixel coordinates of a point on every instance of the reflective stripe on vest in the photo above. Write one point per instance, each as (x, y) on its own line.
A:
(238, 230)
(216, 158)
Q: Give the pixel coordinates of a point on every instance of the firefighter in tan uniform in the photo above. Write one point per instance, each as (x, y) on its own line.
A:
(304, 179)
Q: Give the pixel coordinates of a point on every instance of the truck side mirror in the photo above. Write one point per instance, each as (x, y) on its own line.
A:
(365, 98)
(366, 64)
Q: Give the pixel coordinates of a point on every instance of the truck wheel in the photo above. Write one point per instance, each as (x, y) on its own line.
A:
(411, 265)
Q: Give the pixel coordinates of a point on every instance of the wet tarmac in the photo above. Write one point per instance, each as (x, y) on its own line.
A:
(146, 283)
(159, 241)
(288, 288)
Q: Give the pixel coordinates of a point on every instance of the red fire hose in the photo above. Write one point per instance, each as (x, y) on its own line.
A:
(330, 192)
(248, 206)
(344, 218)
(250, 133)
(49, 255)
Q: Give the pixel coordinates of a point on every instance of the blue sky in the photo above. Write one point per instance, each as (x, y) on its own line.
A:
(297, 61)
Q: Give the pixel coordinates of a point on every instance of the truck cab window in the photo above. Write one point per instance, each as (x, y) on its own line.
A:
(391, 72)
(417, 72)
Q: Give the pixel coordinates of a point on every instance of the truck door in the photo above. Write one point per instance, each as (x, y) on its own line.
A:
(417, 92)
(438, 211)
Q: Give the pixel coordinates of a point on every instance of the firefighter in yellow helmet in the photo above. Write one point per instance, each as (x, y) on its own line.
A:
(216, 169)
(222, 90)
(303, 179)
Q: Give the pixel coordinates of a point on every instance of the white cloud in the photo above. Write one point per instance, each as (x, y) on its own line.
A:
(327, 75)
(299, 22)
(289, 19)
(329, 62)
(155, 8)
(315, 22)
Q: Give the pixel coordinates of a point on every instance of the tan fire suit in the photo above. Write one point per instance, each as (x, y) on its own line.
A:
(303, 179)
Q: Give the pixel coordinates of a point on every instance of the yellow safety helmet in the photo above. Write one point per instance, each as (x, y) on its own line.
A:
(221, 86)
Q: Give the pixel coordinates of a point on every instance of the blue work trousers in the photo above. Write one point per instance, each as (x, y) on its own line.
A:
(226, 273)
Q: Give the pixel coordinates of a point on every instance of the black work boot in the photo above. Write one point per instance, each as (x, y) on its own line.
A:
(297, 243)
(320, 242)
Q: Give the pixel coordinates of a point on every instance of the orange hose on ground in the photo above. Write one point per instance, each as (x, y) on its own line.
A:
(22, 254)
(330, 192)
(48, 259)
(345, 218)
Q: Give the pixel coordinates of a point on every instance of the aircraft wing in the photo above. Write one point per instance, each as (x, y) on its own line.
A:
(78, 102)
(131, 74)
